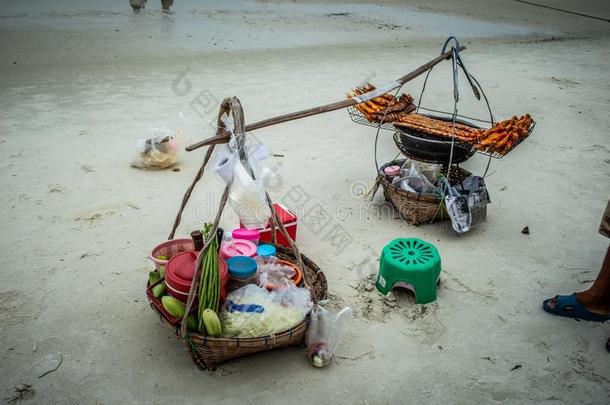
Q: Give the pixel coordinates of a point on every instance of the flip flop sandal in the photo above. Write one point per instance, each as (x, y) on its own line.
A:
(568, 306)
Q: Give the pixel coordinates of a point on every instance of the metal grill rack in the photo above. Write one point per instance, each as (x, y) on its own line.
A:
(359, 118)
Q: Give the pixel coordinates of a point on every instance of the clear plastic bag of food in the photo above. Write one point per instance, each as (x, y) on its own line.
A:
(273, 274)
(160, 148)
(248, 198)
(430, 171)
(326, 332)
(418, 177)
(252, 311)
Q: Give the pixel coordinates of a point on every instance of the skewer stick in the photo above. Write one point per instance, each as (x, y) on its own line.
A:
(224, 136)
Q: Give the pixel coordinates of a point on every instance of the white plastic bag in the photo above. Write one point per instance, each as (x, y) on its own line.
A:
(160, 148)
(326, 331)
(252, 311)
(248, 199)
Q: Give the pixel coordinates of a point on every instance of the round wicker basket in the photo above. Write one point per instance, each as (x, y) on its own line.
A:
(208, 352)
(415, 208)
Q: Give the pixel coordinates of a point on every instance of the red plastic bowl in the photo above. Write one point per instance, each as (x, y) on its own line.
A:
(179, 275)
(180, 296)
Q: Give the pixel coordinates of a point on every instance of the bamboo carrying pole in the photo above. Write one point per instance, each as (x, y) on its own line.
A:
(224, 136)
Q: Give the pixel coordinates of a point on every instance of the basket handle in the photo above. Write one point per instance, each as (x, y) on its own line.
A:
(225, 108)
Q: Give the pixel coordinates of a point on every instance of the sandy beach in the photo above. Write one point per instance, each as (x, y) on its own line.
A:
(81, 81)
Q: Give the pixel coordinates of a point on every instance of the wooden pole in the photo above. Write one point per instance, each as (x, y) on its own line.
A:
(223, 137)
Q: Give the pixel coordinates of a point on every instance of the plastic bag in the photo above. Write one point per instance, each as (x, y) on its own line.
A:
(457, 208)
(478, 198)
(326, 331)
(252, 311)
(417, 177)
(466, 206)
(430, 171)
(248, 199)
(225, 163)
(227, 155)
(160, 149)
(273, 274)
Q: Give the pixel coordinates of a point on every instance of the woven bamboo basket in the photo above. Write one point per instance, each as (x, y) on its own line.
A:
(415, 208)
(207, 352)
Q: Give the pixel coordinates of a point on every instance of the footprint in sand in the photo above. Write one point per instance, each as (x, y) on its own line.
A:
(97, 215)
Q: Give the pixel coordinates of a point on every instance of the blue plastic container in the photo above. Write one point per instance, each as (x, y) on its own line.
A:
(242, 271)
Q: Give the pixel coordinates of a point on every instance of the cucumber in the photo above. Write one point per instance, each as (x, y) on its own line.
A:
(158, 290)
(153, 277)
(173, 306)
(191, 323)
(176, 309)
(211, 322)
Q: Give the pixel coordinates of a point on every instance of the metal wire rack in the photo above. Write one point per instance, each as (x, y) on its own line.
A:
(464, 120)
(359, 118)
(499, 156)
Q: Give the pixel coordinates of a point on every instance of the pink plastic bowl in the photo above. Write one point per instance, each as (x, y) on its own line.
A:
(170, 249)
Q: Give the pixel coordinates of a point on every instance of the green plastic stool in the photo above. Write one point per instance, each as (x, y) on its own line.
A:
(410, 263)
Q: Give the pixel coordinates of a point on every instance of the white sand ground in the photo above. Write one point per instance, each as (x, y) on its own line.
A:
(80, 81)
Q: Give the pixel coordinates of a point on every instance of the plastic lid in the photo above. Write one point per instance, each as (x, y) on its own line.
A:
(241, 266)
(238, 247)
(180, 268)
(392, 170)
(266, 250)
(246, 234)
